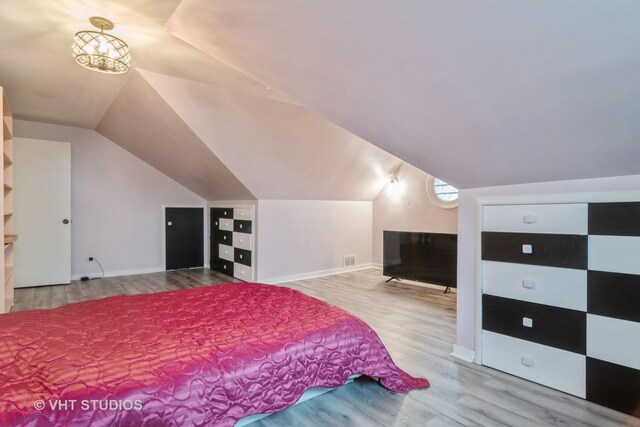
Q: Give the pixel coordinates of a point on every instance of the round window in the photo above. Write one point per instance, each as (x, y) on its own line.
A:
(441, 193)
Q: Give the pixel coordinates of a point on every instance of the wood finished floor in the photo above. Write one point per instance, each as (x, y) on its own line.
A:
(417, 325)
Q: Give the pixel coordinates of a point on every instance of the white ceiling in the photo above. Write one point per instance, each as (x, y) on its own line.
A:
(277, 150)
(45, 84)
(477, 92)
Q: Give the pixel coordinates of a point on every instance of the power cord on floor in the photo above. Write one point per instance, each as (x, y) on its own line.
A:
(85, 278)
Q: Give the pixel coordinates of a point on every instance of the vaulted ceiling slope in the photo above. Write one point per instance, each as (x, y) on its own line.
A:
(141, 122)
(478, 93)
(45, 84)
(277, 150)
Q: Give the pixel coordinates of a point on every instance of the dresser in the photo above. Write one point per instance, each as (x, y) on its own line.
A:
(232, 246)
(561, 297)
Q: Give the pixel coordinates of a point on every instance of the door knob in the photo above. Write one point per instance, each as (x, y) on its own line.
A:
(65, 221)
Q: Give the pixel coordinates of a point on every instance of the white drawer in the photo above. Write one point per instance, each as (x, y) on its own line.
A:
(617, 254)
(243, 272)
(553, 219)
(225, 252)
(559, 369)
(226, 224)
(613, 340)
(560, 287)
(242, 241)
(243, 213)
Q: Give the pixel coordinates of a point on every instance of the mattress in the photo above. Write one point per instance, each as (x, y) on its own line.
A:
(202, 356)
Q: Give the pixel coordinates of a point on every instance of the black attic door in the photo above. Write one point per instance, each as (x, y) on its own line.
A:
(184, 229)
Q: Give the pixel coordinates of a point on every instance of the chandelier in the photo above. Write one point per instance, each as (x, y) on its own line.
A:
(101, 52)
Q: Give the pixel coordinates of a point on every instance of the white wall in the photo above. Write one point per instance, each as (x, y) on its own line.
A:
(405, 206)
(299, 238)
(468, 244)
(116, 202)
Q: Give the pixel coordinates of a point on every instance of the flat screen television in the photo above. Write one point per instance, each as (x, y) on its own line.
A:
(423, 257)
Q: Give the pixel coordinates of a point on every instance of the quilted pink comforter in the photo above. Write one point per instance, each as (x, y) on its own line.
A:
(203, 356)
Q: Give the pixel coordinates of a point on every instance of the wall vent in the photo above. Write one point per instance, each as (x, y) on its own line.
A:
(349, 260)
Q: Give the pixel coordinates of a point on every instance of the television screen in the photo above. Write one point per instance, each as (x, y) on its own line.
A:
(423, 257)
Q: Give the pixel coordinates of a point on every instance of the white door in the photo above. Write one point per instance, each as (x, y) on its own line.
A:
(42, 212)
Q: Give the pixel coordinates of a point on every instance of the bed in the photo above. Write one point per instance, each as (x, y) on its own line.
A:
(204, 356)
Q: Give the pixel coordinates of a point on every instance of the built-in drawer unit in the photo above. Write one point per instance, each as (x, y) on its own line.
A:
(562, 370)
(241, 226)
(614, 340)
(226, 267)
(561, 297)
(226, 212)
(245, 214)
(542, 324)
(614, 295)
(226, 224)
(544, 218)
(226, 252)
(223, 237)
(243, 272)
(614, 386)
(232, 241)
(561, 287)
(242, 241)
(242, 256)
(554, 250)
(614, 219)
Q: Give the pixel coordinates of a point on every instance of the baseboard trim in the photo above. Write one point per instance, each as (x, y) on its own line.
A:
(464, 354)
(313, 274)
(120, 273)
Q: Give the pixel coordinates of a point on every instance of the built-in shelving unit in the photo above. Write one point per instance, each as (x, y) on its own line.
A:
(6, 263)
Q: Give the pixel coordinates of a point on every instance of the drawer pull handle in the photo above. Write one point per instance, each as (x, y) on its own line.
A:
(240, 256)
(528, 284)
(527, 321)
(529, 219)
(240, 225)
(224, 237)
(526, 361)
(527, 249)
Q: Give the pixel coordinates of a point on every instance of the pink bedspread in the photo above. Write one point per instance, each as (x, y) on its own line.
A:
(203, 356)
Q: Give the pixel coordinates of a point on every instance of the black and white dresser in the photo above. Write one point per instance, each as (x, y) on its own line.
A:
(561, 297)
(232, 242)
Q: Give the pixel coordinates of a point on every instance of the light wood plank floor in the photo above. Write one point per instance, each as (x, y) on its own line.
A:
(418, 326)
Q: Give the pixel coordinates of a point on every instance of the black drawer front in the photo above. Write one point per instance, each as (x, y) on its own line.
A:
(614, 386)
(614, 219)
(553, 250)
(226, 267)
(222, 213)
(242, 256)
(552, 326)
(242, 226)
(223, 266)
(223, 236)
(614, 295)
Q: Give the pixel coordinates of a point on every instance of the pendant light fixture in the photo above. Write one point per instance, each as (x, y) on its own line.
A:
(99, 51)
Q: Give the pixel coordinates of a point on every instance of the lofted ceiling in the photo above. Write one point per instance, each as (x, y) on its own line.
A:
(45, 84)
(277, 150)
(478, 93)
(141, 122)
